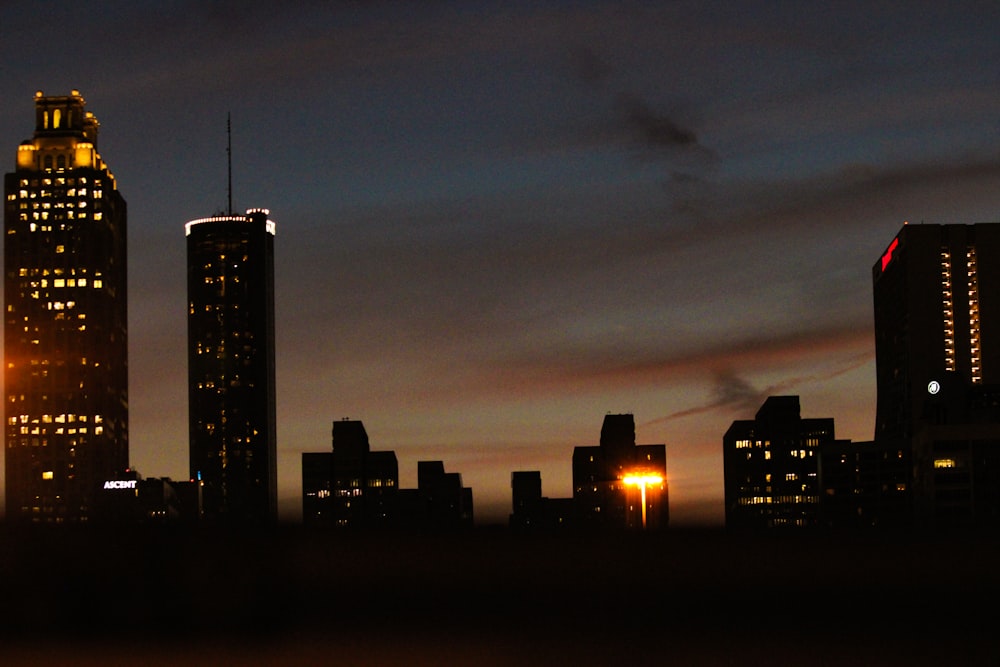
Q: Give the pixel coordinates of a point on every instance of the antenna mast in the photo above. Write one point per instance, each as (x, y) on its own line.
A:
(229, 159)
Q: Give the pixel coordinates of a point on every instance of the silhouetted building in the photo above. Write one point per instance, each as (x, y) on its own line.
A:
(127, 498)
(865, 487)
(771, 468)
(447, 503)
(65, 326)
(317, 474)
(350, 486)
(533, 512)
(526, 499)
(937, 316)
(353, 487)
(619, 484)
(231, 382)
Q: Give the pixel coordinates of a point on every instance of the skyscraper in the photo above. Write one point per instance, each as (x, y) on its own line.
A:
(231, 385)
(65, 329)
(937, 350)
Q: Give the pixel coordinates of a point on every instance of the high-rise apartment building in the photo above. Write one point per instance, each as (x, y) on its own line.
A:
(620, 484)
(771, 467)
(937, 348)
(350, 486)
(231, 383)
(65, 325)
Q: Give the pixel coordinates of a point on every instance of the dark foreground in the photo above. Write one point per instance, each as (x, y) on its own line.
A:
(294, 597)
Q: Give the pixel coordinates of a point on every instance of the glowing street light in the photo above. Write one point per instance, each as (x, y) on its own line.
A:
(642, 480)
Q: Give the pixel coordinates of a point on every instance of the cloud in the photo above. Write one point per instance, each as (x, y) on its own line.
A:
(535, 296)
(732, 392)
(654, 130)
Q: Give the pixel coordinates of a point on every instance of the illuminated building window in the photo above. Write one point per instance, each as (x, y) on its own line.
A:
(974, 340)
(948, 311)
(944, 463)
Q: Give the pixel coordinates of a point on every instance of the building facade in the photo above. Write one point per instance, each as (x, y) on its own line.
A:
(231, 365)
(533, 512)
(771, 468)
(66, 323)
(350, 486)
(132, 499)
(443, 501)
(619, 484)
(865, 487)
(936, 295)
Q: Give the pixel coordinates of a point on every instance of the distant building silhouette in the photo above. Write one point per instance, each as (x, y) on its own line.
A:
(447, 503)
(526, 499)
(128, 498)
(865, 486)
(231, 383)
(771, 468)
(937, 347)
(602, 492)
(353, 487)
(350, 486)
(533, 512)
(65, 329)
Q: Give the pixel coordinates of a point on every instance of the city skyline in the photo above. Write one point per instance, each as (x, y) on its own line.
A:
(499, 225)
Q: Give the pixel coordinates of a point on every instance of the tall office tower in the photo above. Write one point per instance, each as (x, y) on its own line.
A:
(619, 484)
(771, 467)
(937, 352)
(65, 330)
(231, 386)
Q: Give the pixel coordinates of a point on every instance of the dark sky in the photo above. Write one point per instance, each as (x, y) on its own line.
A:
(498, 222)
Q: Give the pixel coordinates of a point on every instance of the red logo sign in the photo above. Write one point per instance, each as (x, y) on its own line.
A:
(887, 257)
